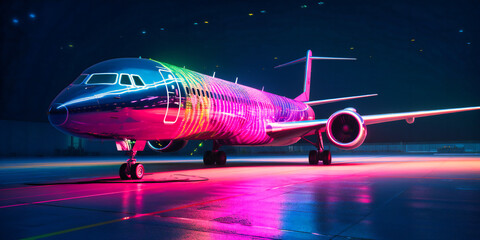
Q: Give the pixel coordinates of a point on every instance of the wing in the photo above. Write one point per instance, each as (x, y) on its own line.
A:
(305, 128)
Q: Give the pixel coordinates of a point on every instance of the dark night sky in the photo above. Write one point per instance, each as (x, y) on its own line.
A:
(415, 54)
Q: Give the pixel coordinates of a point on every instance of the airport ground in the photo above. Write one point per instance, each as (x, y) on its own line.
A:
(277, 197)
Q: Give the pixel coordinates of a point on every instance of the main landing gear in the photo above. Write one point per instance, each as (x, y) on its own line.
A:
(215, 156)
(131, 169)
(320, 154)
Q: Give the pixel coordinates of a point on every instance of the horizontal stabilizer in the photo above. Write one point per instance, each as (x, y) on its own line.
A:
(305, 96)
(332, 100)
(313, 58)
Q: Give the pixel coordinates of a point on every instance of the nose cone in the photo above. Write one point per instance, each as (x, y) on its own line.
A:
(57, 114)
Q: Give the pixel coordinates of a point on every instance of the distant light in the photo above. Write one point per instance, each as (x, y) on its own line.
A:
(32, 15)
(263, 11)
(217, 66)
(15, 21)
(421, 50)
(460, 31)
(468, 43)
(195, 23)
(70, 45)
(144, 32)
(351, 48)
(162, 29)
(250, 14)
(412, 40)
(205, 22)
(320, 3)
(275, 58)
(303, 6)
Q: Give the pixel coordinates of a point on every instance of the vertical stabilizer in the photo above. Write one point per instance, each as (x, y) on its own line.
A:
(305, 96)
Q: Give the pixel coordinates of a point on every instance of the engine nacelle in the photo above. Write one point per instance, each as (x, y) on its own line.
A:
(346, 129)
(167, 145)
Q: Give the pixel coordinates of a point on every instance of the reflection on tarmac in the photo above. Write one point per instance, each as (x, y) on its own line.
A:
(370, 197)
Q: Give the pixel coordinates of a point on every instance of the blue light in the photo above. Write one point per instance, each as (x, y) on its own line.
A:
(195, 23)
(15, 21)
(144, 32)
(32, 15)
(320, 3)
(468, 43)
(162, 29)
(263, 11)
(461, 30)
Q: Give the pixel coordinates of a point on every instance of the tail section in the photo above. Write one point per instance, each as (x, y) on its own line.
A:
(305, 96)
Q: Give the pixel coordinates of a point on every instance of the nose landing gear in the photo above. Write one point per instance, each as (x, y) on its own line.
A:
(131, 169)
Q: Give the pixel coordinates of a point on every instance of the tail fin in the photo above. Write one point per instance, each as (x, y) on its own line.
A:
(305, 96)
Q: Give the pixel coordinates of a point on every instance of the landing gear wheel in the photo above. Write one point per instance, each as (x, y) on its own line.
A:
(137, 170)
(220, 158)
(123, 172)
(208, 158)
(313, 157)
(326, 157)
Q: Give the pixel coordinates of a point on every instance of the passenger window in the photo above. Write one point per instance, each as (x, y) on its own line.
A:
(80, 79)
(102, 78)
(188, 90)
(198, 92)
(125, 80)
(138, 81)
(203, 93)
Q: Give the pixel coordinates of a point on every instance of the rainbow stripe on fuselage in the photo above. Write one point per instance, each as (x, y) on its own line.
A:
(232, 113)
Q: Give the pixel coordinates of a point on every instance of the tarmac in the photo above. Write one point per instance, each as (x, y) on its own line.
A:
(261, 197)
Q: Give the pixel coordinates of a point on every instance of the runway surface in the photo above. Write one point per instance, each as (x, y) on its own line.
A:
(357, 197)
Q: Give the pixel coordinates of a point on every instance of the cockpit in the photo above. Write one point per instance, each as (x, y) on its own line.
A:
(123, 79)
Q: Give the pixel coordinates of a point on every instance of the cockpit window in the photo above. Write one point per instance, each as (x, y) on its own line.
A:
(125, 79)
(102, 78)
(80, 79)
(138, 80)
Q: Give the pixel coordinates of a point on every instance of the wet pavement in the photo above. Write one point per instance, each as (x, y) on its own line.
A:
(357, 197)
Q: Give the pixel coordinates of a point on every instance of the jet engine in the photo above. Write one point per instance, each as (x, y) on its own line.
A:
(167, 145)
(346, 129)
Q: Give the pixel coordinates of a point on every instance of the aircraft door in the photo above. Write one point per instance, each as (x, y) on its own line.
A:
(174, 97)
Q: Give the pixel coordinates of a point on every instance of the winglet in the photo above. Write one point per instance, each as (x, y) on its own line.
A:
(305, 96)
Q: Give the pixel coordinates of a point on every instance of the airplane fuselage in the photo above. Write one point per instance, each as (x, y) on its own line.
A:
(169, 103)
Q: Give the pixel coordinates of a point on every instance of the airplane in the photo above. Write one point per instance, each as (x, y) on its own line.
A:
(138, 102)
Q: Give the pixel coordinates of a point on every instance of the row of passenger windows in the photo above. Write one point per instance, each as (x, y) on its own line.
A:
(110, 79)
(239, 99)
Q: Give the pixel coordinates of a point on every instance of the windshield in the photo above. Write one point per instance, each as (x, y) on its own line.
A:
(102, 78)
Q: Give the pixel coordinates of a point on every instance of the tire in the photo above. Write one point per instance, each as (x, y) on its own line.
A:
(327, 157)
(313, 157)
(123, 172)
(221, 158)
(137, 171)
(208, 158)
